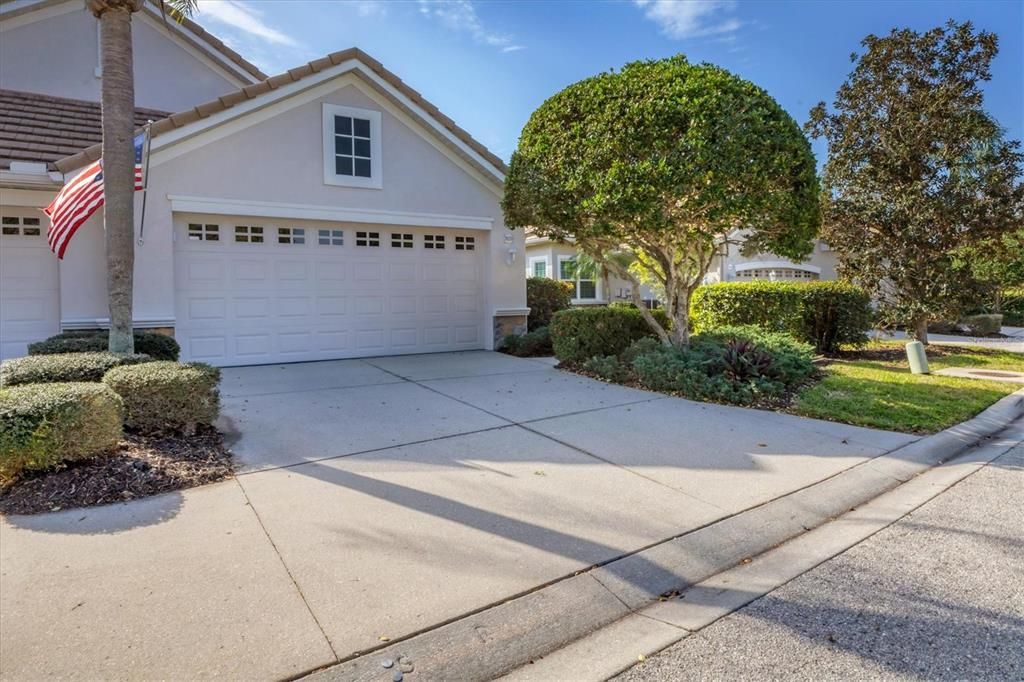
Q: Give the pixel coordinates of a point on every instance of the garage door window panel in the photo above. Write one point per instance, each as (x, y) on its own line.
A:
(401, 240)
(367, 238)
(203, 232)
(291, 235)
(433, 241)
(248, 234)
(14, 226)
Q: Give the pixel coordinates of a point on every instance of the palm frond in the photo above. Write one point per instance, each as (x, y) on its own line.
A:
(179, 10)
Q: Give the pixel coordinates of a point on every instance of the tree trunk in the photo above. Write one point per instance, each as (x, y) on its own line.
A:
(920, 331)
(118, 104)
(681, 320)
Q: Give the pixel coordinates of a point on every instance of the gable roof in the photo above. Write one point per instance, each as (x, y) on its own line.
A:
(265, 89)
(43, 128)
(188, 30)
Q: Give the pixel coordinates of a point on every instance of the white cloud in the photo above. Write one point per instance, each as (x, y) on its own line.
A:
(460, 16)
(242, 16)
(691, 18)
(369, 8)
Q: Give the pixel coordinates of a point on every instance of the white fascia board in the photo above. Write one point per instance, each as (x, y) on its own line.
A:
(24, 196)
(297, 93)
(268, 209)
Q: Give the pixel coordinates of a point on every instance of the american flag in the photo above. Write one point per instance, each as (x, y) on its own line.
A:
(79, 200)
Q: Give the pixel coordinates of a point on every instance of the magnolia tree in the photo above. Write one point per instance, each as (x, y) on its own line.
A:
(650, 169)
(918, 173)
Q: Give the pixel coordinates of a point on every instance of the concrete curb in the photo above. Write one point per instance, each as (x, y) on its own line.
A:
(505, 636)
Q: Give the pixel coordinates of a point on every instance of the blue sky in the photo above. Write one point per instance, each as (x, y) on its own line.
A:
(488, 65)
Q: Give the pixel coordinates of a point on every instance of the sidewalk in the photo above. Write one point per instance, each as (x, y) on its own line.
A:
(938, 595)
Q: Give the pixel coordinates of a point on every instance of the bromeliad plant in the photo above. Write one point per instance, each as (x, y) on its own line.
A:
(652, 168)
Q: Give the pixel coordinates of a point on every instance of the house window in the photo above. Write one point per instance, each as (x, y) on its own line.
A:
(203, 232)
(539, 268)
(291, 235)
(352, 146)
(465, 243)
(433, 241)
(400, 240)
(13, 225)
(330, 237)
(367, 238)
(250, 234)
(584, 280)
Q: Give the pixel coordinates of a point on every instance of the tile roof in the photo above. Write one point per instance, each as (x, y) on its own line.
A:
(250, 92)
(42, 128)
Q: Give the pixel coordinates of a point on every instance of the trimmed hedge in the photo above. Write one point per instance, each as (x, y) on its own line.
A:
(579, 334)
(65, 367)
(42, 425)
(545, 297)
(161, 396)
(823, 314)
(156, 346)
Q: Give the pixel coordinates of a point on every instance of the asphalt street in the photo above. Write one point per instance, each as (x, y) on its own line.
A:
(938, 595)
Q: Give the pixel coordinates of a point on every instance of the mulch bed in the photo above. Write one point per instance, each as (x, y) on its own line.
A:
(139, 467)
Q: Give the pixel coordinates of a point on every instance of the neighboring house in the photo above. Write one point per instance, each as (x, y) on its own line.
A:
(557, 260)
(732, 266)
(327, 212)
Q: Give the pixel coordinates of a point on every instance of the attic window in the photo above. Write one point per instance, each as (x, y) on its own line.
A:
(352, 146)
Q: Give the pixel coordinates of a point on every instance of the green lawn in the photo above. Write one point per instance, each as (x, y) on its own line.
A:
(882, 393)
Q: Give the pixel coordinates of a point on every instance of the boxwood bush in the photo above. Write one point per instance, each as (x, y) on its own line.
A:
(157, 346)
(64, 367)
(823, 314)
(579, 334)
(739, 365)
(42, 425)
(545, 297)
(164, 396)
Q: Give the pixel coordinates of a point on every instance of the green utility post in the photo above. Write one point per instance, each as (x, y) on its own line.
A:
(918, 359)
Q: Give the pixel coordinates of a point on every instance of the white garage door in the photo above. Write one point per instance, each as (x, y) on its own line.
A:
(254, 291)
(29, 285)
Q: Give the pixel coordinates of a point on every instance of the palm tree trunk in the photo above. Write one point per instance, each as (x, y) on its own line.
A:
(118, 105)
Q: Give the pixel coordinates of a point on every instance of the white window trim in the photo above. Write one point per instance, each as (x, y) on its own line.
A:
(376, 179)
(598, 284)
(539, 259)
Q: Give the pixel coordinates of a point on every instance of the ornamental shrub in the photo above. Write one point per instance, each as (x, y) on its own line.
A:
(739, 365)
(545, 297)
(64, 367)
(579, 334)
(42, 425)
(530, 345)
(162, 396)
(823, 314)
(157, 346)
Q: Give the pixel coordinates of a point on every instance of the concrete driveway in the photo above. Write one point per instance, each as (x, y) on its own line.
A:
(377, 498)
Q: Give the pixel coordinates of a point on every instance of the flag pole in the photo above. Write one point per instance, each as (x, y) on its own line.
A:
(145, 184)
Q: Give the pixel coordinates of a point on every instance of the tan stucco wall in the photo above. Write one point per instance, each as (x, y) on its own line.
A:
(281, 160)
(59, 56)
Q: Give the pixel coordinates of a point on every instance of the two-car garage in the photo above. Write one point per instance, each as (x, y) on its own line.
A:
(253, 291)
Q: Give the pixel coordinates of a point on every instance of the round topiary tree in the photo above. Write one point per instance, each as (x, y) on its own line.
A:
(652, 168)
